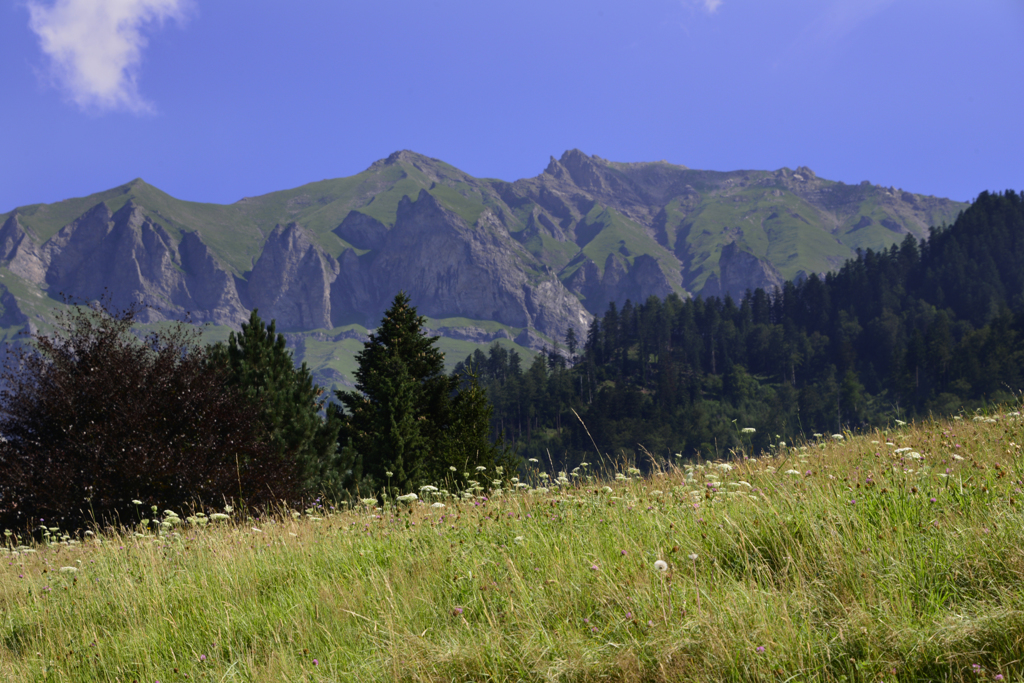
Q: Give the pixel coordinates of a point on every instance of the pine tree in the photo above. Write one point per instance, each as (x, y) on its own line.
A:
(291, 407)
(407, 424)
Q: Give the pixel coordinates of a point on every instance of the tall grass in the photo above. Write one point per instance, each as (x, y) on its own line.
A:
(890, 556)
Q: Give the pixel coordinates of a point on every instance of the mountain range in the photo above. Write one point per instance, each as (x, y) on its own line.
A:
(483, 259)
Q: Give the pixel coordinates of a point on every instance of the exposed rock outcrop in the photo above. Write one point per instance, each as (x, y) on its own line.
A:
(20, 251)
(362, 231)
(291, 281)
(10, 312)
(621, 280)
(352, 294)
(125, 254)
(740, 271)
(453, 269)
(212, 295)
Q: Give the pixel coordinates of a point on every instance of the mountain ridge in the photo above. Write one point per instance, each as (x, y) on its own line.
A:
(537, 256)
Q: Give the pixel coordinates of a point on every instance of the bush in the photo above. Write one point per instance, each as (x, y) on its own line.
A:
(93, 417)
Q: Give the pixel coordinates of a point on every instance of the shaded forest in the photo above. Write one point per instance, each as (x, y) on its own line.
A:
(929, 327)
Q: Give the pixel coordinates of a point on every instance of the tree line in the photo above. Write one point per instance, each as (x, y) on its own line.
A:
(98, 425)
(924, 327)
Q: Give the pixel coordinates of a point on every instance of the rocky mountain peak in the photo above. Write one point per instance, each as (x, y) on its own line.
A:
(401, 156)
(555, 169)
(586, 172)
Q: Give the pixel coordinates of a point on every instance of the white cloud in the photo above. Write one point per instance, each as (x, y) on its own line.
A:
(95, 46)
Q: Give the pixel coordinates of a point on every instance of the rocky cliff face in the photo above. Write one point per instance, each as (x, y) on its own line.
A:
(741, 272)
(291, 281)
(131, 258)
(452, 266)
(478, 271)
(20, 251)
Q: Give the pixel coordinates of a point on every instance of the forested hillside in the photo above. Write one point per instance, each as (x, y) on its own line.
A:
(925, 327)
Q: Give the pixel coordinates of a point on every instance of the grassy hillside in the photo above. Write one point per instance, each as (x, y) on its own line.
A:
(892, 556)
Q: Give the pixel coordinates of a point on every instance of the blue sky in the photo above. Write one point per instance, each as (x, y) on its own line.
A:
(214, 101)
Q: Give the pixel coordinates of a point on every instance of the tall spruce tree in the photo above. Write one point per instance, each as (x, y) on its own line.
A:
(291, 407)
(408, 424)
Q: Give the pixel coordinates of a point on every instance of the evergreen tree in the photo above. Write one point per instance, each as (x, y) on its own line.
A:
(291, 407)
(407, 424)
(572, 344)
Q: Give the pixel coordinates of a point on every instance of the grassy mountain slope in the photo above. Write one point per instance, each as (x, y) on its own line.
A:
(895, 555)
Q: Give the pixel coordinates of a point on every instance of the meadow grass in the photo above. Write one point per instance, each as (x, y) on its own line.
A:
(893, 556)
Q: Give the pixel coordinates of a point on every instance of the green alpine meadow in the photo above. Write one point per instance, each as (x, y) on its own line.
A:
(894, 555)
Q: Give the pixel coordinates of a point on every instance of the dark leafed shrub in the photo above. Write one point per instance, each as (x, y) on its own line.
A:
(93, 417)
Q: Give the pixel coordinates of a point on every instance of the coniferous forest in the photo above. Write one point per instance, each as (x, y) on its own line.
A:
(923, 328)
